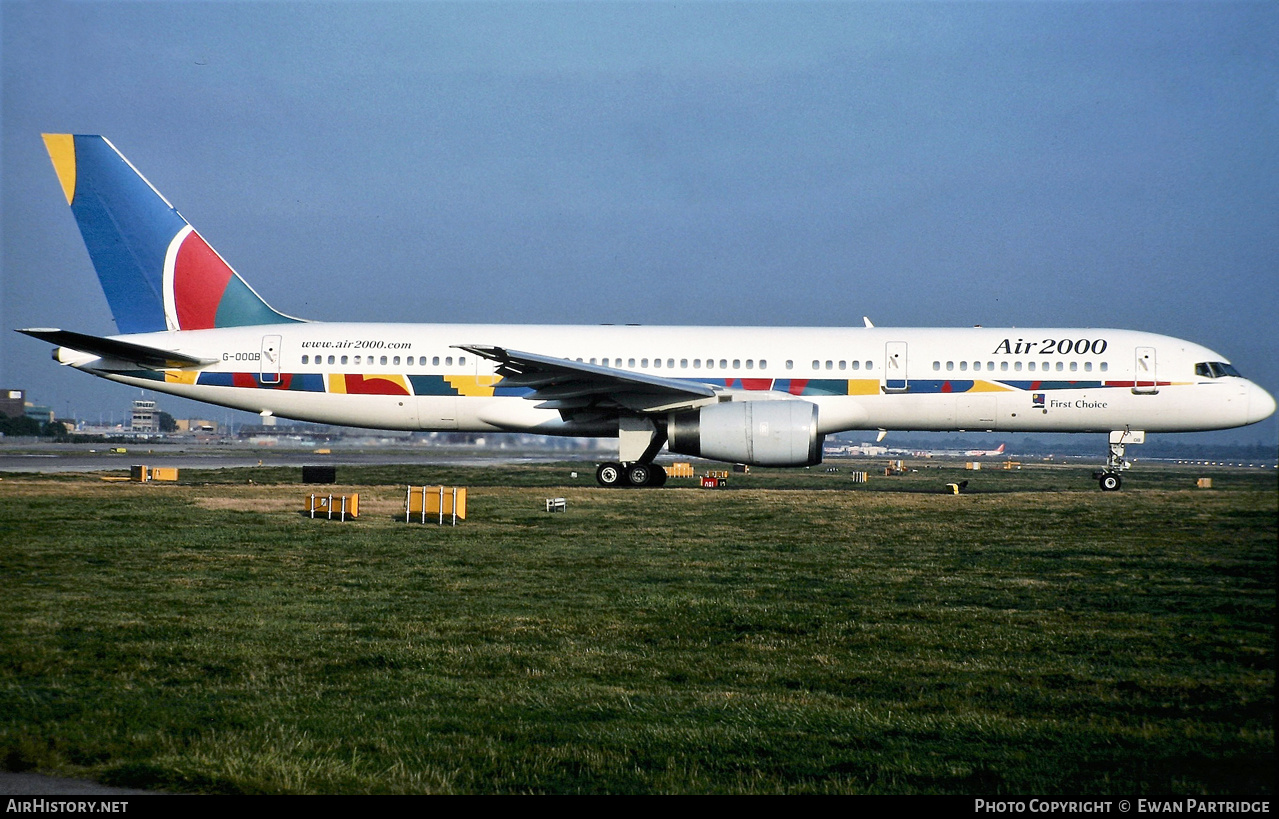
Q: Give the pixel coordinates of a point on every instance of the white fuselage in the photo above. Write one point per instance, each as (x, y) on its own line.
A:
(413, 377)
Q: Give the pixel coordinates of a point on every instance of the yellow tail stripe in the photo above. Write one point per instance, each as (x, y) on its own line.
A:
(61, 148)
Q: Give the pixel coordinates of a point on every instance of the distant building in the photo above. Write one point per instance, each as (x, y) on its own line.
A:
(38, 413)
(144, 417)
(196, 425)
(13, 403)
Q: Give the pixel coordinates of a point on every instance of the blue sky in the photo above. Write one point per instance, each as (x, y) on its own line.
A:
(926, 164)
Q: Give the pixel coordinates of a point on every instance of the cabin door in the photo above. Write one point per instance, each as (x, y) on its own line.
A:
(269, 361)
(895, 367)
(1144, 379)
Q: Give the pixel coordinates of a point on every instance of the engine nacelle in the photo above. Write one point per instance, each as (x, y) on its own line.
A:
(762, 433)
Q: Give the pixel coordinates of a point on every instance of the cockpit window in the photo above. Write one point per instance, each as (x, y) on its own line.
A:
(1216, 369)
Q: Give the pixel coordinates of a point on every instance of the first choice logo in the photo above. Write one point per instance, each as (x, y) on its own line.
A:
(1052, 346)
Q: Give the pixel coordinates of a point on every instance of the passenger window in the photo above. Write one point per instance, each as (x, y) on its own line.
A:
(843, 364)
(343, 359)
(737, 363)
(331, 360)
(435, 361)
(830, 365)
(857, 365)
(383, 360)
(963, 366)
(670, 363)
(448, 361)
(1031, 366)
(936, 366)
(817, 365)
(304, 359)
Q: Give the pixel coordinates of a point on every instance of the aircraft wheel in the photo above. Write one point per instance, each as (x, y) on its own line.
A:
(609, 475)
(658, 477)
(1110, 482)
(639, 474)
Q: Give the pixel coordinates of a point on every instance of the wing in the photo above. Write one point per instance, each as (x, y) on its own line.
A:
(151, 358)
(569, 386)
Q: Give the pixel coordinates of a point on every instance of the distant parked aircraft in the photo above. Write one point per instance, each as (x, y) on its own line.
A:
(986, 453)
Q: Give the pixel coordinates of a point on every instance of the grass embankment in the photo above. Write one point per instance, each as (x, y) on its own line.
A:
(207, 637)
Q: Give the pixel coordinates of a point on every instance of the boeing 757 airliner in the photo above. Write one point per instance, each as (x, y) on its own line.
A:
(191, 326)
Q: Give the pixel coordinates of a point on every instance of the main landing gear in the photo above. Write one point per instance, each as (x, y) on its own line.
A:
(638, 442)
(613, 475)
(1108, 478)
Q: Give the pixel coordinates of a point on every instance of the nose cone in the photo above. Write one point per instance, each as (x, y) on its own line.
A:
(1261, 404)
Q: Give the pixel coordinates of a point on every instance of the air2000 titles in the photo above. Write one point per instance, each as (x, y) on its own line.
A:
(1053, 346)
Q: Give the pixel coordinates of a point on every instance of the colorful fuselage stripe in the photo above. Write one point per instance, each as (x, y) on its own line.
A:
(491, 386)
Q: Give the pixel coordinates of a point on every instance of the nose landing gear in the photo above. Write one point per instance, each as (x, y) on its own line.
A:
(1108, 478)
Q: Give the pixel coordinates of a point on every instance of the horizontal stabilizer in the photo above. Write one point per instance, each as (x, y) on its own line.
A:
(152, 358)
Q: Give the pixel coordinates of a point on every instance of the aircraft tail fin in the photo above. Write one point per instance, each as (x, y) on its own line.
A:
(158, 273)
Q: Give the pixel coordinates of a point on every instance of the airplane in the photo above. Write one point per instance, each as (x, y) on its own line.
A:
(191, 326)
(986, 453)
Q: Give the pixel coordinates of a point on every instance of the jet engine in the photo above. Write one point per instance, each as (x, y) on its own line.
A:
(762, 433)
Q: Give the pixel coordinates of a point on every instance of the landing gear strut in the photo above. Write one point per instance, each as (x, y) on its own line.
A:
(1108, 478)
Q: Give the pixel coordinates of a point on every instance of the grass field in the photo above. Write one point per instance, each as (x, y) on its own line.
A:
(794, 633)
